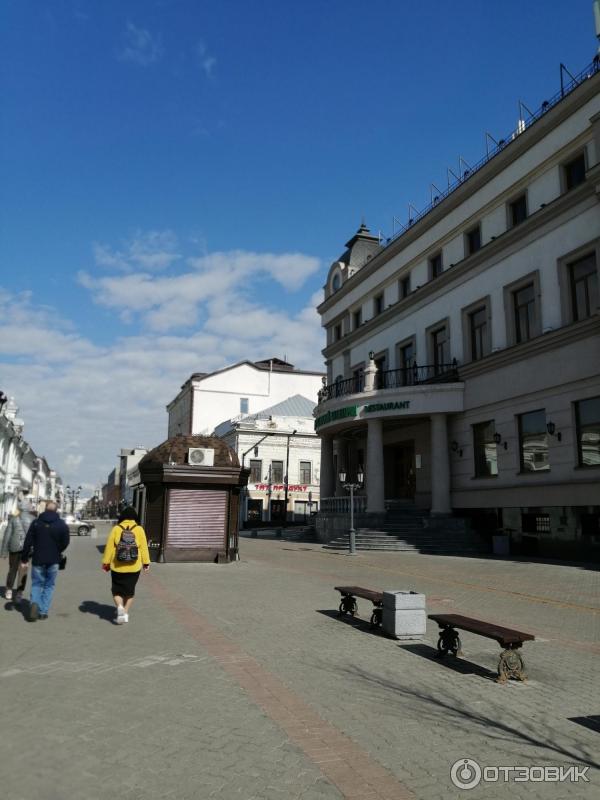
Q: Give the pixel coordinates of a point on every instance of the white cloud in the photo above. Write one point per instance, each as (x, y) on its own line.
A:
(207, 61)
(149, 250)
(174, 302)
(82, 402)
(140, 46)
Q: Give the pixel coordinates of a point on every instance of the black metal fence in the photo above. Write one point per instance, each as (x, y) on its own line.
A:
(393, 379)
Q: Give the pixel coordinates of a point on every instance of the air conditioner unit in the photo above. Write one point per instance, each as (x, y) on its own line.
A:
(201, 456)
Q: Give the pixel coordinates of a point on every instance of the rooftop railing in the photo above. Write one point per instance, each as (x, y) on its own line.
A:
(566, 87)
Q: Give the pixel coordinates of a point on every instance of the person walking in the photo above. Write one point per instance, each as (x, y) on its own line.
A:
(12, 546)
(47, 539)
(125, 555)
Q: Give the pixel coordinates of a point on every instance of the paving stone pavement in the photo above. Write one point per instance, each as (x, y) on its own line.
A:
(239, 681)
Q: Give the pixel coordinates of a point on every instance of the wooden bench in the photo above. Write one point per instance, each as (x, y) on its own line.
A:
(348, 604)
(510, 665)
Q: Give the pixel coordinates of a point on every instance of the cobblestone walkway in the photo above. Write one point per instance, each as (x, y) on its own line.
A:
(239, 681)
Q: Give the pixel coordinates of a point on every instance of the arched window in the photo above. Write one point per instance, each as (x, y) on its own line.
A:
(336, 282)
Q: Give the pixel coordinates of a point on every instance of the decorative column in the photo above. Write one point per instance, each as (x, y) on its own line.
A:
(440, 466)
(327, 479)
(374, 470)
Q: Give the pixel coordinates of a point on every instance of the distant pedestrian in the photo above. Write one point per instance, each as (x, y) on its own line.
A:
(46, 540)
(125, 554)
(12, 546)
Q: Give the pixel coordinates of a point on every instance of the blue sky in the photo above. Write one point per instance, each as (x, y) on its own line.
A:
(177, 176)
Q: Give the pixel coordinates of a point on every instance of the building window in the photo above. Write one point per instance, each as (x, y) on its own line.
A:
(485, 450)
(525, 313)
(435, 266)
(336, 282)
(574, 171)
(407, 361)
(404, 287)
(243, 405)
(517, 211)
(255, 471)
(440, 345)
(583, 277)
(358, 378)
(473, 240)
(534, 522)
(533, 441)
(305, 472)
(587, 414)
(378, 304)
(337, 333)
(276, 471)
(478, 330)
(356, 319)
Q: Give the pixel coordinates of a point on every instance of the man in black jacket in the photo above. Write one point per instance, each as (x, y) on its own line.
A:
(47, 537)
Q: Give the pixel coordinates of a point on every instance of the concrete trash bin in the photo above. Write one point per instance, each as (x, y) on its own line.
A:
(404, 614)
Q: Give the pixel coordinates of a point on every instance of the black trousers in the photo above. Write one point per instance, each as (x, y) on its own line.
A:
(14, 560)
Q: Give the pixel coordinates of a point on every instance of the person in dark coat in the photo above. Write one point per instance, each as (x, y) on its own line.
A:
(46, 540)
(12, 546)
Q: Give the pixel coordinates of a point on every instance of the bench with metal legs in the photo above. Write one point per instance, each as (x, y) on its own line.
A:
(348, 604)
(510, 663)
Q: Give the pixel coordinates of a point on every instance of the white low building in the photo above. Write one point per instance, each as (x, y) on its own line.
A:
(280, 447)
(463, 355)
(206, 399)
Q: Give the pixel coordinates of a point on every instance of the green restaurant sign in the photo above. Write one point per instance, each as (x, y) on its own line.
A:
(351, 411)
(331, 416)
(399, 405)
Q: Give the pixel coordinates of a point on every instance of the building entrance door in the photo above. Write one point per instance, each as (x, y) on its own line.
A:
(399, 465)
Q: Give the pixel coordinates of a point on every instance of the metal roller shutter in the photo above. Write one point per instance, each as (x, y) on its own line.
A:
(197, 518)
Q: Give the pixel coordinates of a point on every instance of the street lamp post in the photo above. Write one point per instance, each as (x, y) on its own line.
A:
(352, 487)
(72, 495)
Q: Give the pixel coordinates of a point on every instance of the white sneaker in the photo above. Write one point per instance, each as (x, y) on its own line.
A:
(125, 617)
(120, 614)
(8, 594)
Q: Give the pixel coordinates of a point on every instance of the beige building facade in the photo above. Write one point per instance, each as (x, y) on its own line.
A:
(463, 355)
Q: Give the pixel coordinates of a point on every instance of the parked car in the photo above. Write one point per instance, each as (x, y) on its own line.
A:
(79, 527)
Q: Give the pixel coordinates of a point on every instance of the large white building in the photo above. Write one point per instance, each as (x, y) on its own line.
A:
(21, 470)
(207, 399)
(280, 447)
(463, 355)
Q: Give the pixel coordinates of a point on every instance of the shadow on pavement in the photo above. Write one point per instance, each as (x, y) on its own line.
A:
(22, 608)
(101, 610)
(593, 722)
(353, 622)
(457, 664)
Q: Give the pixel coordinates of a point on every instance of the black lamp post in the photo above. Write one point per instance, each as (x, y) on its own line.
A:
(72, 495)
(352, 487)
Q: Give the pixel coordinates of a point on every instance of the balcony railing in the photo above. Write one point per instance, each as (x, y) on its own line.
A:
(341, 505)
(414, 375)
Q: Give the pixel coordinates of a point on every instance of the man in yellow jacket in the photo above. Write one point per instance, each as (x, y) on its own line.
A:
(125, 555)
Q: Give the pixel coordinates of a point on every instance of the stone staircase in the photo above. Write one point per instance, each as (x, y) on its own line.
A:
(408, 529)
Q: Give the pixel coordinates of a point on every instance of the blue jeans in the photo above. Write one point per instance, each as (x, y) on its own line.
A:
(43, 580)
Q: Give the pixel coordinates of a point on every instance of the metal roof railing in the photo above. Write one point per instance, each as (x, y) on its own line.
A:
(565, 89)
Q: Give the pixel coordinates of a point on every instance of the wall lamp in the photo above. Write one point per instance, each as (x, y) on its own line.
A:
(551, 428)
(455, 447)
(498, 440)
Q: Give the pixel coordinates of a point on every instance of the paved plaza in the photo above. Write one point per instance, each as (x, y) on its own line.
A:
(239, 681)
